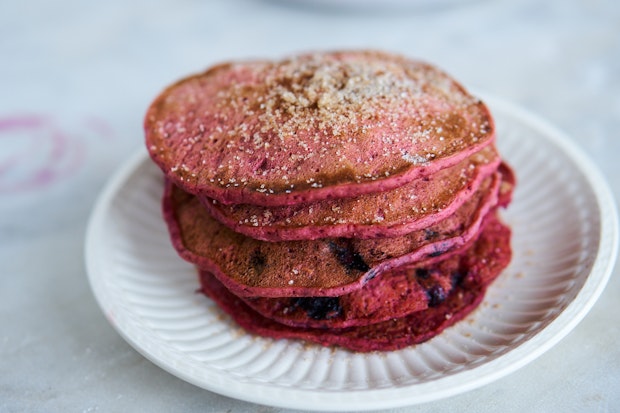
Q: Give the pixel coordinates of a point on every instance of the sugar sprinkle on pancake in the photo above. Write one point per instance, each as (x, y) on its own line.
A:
(311, 127)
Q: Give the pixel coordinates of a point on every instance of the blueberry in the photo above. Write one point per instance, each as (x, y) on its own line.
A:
(258, 261)
(319, 308)
(429, 234)
(436, 253)
(348, 257)
(436, 295)
(456, 278)
(423, 273)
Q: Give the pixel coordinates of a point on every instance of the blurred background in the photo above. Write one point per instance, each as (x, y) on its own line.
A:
(77, 76)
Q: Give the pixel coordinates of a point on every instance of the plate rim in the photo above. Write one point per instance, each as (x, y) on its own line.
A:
(380, 398)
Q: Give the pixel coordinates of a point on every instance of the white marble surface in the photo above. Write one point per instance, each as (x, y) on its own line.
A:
(75, 79)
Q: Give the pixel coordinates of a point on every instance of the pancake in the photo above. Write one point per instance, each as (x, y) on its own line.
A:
(506, 189)
(312, 127)
(393, 334)
(389, 335)
(399, 292)
(324, 267)
(413, 206)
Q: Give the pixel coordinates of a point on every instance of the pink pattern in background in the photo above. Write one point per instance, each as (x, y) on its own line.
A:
(36, 153)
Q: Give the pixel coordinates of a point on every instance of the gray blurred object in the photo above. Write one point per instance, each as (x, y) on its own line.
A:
(375, 6)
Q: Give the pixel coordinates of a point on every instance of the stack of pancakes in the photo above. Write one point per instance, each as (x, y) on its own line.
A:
(344, 198)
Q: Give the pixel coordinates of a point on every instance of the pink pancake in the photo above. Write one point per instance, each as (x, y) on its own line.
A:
(399, 292)
(506, 189)
(312, 127)
(325, 267)
(393, 334)
(414, 206)
(390, 335)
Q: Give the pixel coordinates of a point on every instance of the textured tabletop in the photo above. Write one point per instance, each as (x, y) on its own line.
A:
(76, 78)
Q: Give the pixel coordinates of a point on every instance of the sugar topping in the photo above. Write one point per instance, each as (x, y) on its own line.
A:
(311, 121)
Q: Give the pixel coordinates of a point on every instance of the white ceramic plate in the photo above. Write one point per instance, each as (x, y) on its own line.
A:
(565, 241)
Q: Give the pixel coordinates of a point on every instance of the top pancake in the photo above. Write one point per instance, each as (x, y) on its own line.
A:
(312, 127)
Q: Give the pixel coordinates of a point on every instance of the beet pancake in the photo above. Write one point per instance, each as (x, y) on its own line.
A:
(413, 206)
(506, 189)
(325, 267)
(312, 127)
(393, 334)
(390, 335)
(396, 293)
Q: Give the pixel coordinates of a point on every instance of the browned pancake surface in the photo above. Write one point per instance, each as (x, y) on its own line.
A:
(413, 206)
(393, 334)
(312, 127)
(330, 266)
(399, 292)
(389, 335)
